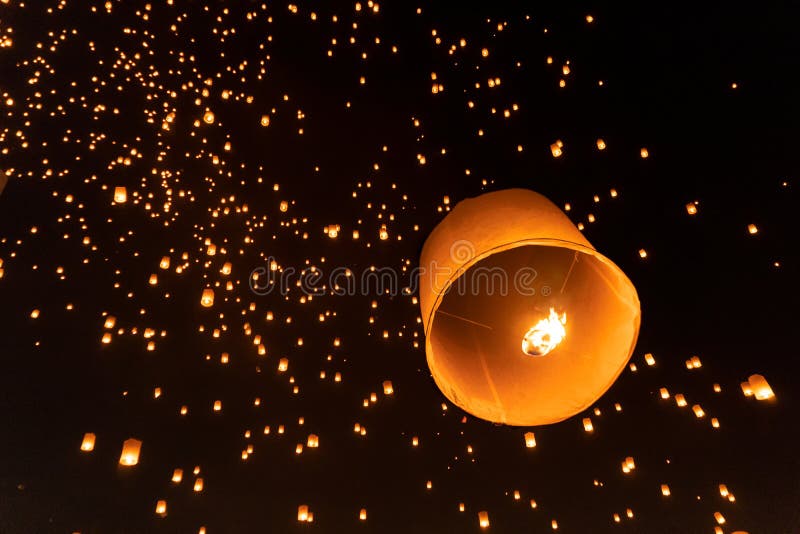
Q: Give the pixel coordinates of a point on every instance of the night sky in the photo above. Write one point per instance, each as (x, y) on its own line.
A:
(320, 135)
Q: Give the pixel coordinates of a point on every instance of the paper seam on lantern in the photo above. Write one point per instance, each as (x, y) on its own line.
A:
(492, 386)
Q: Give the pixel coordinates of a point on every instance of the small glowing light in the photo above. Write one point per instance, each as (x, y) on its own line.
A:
(545, 335)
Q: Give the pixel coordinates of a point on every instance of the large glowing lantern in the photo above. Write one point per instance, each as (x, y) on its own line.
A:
(526, 323)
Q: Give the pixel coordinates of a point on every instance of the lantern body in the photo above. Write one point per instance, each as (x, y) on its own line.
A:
(120, 195)
(491, 271)
(130, 452)
(760, 387)
(207, 299)
(302, 512)
(87, 445)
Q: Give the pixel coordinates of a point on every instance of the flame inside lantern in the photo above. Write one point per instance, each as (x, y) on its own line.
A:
(545, 335)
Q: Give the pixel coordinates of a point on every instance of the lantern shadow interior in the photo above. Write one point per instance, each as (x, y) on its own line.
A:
(477, 321)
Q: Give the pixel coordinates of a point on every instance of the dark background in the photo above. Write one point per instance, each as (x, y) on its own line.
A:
(707, 288)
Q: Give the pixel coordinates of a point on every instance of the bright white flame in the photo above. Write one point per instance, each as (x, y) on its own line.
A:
(545, 335)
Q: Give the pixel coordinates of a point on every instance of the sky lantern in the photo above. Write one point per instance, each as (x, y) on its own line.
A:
(207, 299)
(760, 387)
(130, 452)
(530, 440)
(526, 323)
(302, 513)
(483, 519)
(161, 508)
(120, 195)
(87, 445)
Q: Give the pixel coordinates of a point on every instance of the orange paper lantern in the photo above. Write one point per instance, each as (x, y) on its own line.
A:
(526, 323)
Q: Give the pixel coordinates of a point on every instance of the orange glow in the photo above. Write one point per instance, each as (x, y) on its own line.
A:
(545, 335)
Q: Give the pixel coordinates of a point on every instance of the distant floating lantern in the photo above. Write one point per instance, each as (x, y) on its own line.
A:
(630, 463)
(388, 389)
(302, 512)
(665, 490)
(650, 359)
(587, 425)
(483, 519)
(87, 445)
(362, 514)
(509, 351)
(130, 452)
(208, 117)
(601, 145)
(161, 508)
(644, 153)
(177, 476)
(752, 229)
(530, 440)
(283, 364)
(120, 195)
(207, 299)
(760, 387)
(691, 208)
(313, 441)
